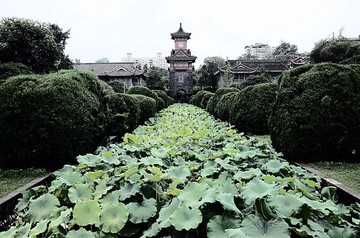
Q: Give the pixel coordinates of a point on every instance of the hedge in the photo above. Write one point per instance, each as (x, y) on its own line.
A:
(147, 107)
(205, 99)
(196, 99)
(316, 115)
(10, 69)
(251, 108)
(224, 106)
(160, 104)
(212, 104)
(166, 98)
(45, 121)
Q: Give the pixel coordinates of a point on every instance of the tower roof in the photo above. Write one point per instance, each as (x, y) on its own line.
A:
(180, 34)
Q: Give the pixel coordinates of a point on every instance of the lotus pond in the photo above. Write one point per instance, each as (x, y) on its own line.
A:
(184, 174)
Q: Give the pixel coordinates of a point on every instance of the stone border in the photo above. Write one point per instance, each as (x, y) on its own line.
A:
(345, 194)
(9, 201)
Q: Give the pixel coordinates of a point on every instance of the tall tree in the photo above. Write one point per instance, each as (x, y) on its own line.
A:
(208, 69)
(158, 78)
(285, 50)
(39, 46)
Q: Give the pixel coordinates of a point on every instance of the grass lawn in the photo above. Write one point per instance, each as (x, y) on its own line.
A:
(13, 179)
(346, 173)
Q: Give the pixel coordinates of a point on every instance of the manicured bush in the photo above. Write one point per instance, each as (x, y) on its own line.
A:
(12, 69)
(252, 107)
(147, 107)
(166, 98)
(117, 86)
(205, 99)
(196, 99)
(212, 104)
(224, 106)
(316, 115)
(45, 121)
(160, 104)
(124, 114)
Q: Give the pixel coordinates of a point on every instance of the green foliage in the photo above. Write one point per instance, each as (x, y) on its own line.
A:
(285, 51)
(160, 104)
(205, 99)
(197, 98)
(117, 86)
(316, 114)
(147, 107)
(12, 69)
(225, 105)
(158, 183)
(166, 98)
(251, 108)
(47, 120)
(336, 50)
(213, 102)
(252, 80)
(39, 46)
(158, 78)
(208, 69)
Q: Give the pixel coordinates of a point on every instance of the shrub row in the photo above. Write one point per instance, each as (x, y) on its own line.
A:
(46, 120)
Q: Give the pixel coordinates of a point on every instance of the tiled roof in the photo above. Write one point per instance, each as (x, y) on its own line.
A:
(180, 34)
(111, 69)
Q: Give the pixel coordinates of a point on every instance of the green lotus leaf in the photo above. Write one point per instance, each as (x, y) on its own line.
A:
(195, 194)
(39, 228)
(133, 169)
(152, 231)
(71, 178)
(114, 196)
(226, 184)
(269, 179)
(286, 205)
(141, 212)
(127, 159)
(226, 163)
(151, 160)
(256, 227)
(186, 218)
(113, 159)
(329, 192)
(160, 153)
(95, 174)
(274, 165)
(89, 159)
(247, 174)
(79, 193)
(218, 224)
(129, 190)
(235, 233)
(210, 167)
(62, 216)
(41, 207)
(10, 233)
(101, 189)
(81, 233)
(257, 189)
(311, 183)
(166, 211)
(86, 213)
(113, 217)
(180, 173)
(263, 208)
(227, 200)
(23, 231)
(337, 232)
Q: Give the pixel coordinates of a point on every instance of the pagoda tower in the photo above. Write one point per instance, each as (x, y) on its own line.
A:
(180, 69)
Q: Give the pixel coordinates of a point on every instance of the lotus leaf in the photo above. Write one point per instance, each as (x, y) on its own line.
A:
(286, 205)
(80, 192)
(89, 159)
(151, 160)
(71, 178)
(275, 165)
(86, 213)
(193, 194)
(180, 173)
(235, 233)
(39, 228)
(41, 207)
(217, 226)
(63, 217)
(247, 174)
(257, 189)
(81, 233)
(227, 200)
(129, 190)
(113, 217)
(256, 227)
(114, 196)
(141, 212)
(9, 233)
(166, 211)
(113, 159)
(186, 218)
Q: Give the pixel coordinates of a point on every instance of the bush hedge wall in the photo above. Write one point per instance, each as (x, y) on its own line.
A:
(160, 104)
(212, 104)
(197, 98)
(317, 113)
(205, 99)
(225, 105)
(147, 107)
(251, 108)
(12, 69)
(166, 98)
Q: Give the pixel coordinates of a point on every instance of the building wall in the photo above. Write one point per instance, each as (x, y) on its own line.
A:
(259, 50)
(157, 61)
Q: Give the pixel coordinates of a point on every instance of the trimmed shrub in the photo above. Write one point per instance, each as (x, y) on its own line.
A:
(317, 113)
(252, 107)
(166, 98)
(212, 104)
(117, 86)
(12, 69)
(147, 107)
(224, 106)
(160, 104)
(196, 99)
(205, 99)
(45, 121)
(124, 114)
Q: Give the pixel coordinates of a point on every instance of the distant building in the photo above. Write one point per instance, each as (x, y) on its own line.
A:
(242, 69)
(157, 61)
(125, 72)
(259, 50)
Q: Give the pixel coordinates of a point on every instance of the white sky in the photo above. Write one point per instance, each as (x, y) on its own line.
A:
(112, 28)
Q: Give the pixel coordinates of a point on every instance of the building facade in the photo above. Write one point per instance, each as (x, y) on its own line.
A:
(180, 69)
(259, 50)
(157, 61)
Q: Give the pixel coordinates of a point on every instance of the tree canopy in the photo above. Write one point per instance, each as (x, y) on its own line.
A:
(40, 46)
(207, 70)
(158, 78)
(285, 50)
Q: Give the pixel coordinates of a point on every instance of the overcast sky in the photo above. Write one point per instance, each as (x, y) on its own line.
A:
(112, 28)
